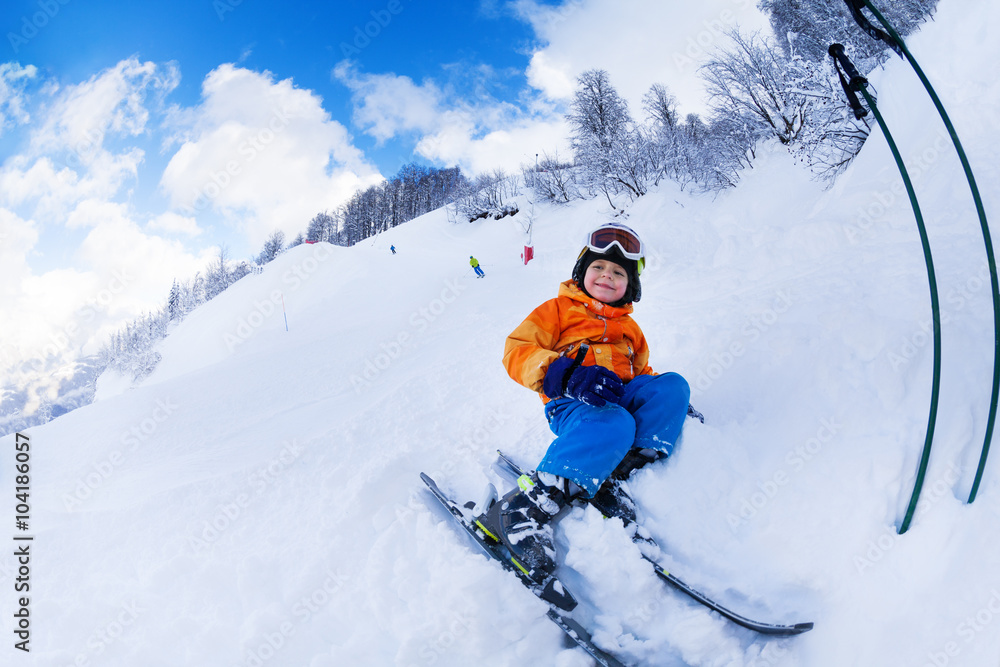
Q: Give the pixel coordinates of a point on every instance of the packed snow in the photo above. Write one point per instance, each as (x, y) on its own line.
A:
(256, 500)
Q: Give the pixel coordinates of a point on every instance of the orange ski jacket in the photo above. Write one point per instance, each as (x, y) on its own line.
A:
(558, 327)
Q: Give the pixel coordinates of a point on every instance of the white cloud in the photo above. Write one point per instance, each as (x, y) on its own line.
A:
(67, 160)
(95, 212)
(265, 154)
(50, 190)
(505, 145)
(639, 43)
(477, 136)
(13, 79)
(387, 105)
(551, 76)
(174, 223)
(33, 309)
(17, 238)
(112, 102)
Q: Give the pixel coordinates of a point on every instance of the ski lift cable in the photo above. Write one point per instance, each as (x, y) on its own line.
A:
(858, 83)
(896, 42)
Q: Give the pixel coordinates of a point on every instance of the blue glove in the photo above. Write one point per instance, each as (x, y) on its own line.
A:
(594, 385)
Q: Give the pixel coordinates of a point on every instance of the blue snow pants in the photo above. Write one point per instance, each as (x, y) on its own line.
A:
(592, 441)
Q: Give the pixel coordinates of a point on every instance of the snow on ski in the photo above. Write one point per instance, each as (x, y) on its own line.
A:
(508, 467)
(494, 550)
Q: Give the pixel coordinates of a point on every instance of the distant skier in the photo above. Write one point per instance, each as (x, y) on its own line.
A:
(393, 249)
(475, 264)
(588, 360)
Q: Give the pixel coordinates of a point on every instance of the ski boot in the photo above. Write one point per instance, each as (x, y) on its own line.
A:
(522, 520)
(613, 499)
(635, 459)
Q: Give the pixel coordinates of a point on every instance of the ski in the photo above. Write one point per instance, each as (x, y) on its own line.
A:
(507, 467)
(554, 590)
(582, 638)
(774, 629)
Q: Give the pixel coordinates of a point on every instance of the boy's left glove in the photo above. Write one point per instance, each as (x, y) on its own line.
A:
(594, 385)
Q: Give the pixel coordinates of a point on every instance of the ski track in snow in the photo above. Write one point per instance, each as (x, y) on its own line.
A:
(256, 500)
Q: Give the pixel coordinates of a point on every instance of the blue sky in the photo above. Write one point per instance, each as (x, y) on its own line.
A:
(136, 138)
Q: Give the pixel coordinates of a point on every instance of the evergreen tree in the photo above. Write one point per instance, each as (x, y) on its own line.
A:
(174, 304)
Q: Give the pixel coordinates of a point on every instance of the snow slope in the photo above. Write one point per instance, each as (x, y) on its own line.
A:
(256, 500)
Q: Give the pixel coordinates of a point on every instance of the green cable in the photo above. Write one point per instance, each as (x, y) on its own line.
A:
(986, 238)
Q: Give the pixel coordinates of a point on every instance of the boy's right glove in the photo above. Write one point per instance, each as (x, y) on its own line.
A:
(594, 385)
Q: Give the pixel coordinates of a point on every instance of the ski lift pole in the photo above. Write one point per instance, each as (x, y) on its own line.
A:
(858, 83)
(896, 43)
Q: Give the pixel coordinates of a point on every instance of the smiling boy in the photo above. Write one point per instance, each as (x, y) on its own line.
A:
(605, 281)
(588, 360)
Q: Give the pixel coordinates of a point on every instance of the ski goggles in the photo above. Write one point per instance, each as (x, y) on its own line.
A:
(628, 242)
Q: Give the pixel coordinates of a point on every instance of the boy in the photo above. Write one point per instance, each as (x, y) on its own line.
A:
(587, 359)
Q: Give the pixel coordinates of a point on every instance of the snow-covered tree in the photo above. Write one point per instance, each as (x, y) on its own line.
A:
(605, 139)
(552, 180)
(239, 270)
(748, 80)
(272, 247)
(218, 276)
(664, 139)
(323, 227)
(175, 303)
(490, 195)
(832, 136)
(195, 293)
(806, 28)
(130, 351)
(415, 190)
